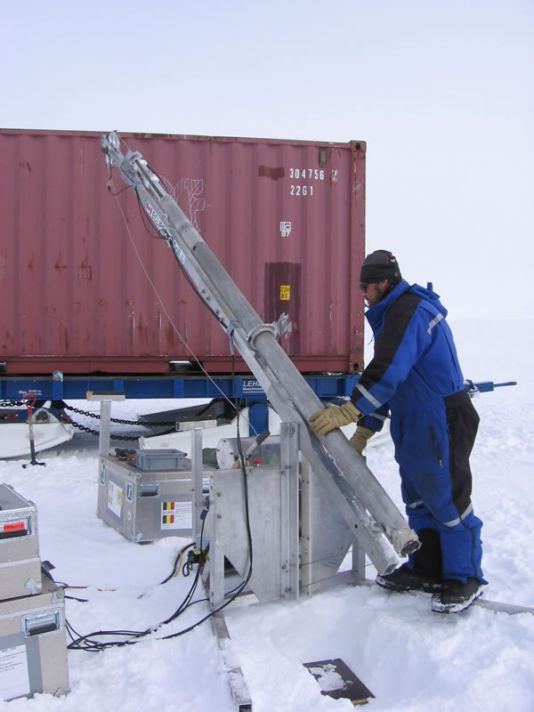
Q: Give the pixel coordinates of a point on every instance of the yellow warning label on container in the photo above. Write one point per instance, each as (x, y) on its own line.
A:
(285, 292)
(115, 498)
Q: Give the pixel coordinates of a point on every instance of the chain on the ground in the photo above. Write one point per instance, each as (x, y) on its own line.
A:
(89, 414)
(92, 431)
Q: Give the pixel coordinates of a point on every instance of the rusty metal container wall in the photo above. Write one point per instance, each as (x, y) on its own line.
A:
(87, 287)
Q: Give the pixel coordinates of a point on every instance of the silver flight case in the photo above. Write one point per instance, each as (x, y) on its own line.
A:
(144, 505)
(33, 650)
(20, 566)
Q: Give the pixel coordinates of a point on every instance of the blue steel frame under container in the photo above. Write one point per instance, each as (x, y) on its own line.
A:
(245, 388)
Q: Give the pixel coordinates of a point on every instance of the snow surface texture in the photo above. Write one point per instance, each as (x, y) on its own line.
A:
(412, 659)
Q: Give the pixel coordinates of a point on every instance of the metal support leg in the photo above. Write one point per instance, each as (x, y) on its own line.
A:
(358, 562)
(105, 400)
(197, 477)
(305, 529)
(216, 560)
(289, 510)
(104, 439)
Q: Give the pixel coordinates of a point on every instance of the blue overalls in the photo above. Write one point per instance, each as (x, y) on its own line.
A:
(416, 375)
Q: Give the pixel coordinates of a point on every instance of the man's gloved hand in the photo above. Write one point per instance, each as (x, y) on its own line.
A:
(328, 419)
(360, 438)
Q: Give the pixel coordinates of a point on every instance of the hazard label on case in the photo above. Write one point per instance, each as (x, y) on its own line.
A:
(16, 527)
(115, 498)
(176, 515)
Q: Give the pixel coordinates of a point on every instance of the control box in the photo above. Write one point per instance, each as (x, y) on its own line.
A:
(20, 566)
(145, 505)
(33, 646)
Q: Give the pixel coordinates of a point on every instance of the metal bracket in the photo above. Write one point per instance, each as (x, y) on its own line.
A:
(279, 328)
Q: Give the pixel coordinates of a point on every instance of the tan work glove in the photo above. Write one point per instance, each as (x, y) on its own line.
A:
(333, 417)
(360, 438)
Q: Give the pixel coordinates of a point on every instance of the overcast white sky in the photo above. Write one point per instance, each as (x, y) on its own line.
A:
(441, 90)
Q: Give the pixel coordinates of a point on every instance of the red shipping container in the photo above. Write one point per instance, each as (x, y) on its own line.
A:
(84, 292)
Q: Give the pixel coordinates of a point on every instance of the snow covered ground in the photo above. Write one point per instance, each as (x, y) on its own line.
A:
(412, 659)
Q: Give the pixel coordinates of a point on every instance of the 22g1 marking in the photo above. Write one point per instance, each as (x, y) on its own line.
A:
(301, 191)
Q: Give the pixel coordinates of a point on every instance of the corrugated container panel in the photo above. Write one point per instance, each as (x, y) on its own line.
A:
(86, 287)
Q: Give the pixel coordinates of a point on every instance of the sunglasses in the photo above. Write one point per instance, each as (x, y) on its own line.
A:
(364, 286)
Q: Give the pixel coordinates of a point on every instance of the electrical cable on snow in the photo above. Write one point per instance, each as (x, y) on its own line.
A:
(88, 642)
(177, 566)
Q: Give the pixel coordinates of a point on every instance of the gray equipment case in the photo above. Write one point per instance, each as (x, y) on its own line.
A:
(20, 566)
(33, 651)
(145, 505)
(166, 459)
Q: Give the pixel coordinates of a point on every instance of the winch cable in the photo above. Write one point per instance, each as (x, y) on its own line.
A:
(155, 289)
(235, 403)
(87, 642)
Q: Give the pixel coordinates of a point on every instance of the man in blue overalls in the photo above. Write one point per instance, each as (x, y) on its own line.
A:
(415, 375)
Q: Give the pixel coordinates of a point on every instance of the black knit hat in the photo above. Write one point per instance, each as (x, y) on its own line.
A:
(380, 265)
